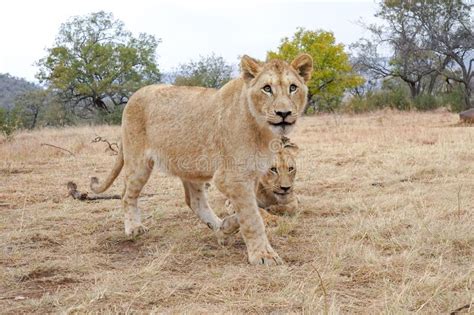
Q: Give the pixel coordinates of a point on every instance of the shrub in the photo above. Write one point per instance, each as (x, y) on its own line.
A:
(9, 122)
(454, 100)
(112, 118)
(426, 102)
(396, 99)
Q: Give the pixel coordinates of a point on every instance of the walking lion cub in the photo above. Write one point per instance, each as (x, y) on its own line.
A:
(275, 188)
(199, 134)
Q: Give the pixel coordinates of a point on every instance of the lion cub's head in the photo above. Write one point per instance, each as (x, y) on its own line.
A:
(277, 91)
(279, 179)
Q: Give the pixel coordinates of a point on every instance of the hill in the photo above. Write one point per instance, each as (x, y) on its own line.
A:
(12, 87)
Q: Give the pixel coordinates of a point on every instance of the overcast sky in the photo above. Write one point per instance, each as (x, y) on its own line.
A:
(187, 28)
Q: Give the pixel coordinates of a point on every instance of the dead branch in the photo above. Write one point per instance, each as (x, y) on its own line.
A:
(325, 294)
(74, 193)
(54, 146)
(459, 309)
(111, 145)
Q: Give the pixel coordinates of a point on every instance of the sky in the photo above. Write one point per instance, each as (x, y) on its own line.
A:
(187, 29)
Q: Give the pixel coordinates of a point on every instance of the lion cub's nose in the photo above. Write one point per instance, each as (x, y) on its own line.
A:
(285, 188)
(283, 114)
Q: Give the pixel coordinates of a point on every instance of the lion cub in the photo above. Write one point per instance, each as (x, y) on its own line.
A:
(275, 188)
(275, 195)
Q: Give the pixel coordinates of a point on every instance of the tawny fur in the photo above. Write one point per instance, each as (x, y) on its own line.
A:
(275, 191)
(199, 134)
(275, 194)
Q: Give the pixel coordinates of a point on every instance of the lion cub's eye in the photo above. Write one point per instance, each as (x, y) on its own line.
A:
(267, 88)
(274, 170)
(291, 169)
(293, 88)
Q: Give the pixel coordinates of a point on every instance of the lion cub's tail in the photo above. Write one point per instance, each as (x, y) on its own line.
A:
(98, 187)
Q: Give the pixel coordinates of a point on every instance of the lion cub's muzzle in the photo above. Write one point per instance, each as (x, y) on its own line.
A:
(283, 190)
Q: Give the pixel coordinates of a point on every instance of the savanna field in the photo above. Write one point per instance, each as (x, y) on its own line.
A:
(385, 225)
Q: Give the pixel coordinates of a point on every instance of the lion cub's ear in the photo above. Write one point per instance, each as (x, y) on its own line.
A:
(303, 64)
(289, 146)
(250, 67)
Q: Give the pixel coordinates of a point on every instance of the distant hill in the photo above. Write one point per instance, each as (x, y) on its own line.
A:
(11, 87)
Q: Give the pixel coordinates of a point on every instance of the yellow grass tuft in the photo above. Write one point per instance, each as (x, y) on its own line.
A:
(385, 226)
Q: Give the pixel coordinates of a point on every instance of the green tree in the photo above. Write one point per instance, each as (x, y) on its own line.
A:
(9, 122)
(333, 74)
(210, 71)
(30, 106)
(41, 107)
(95, 64)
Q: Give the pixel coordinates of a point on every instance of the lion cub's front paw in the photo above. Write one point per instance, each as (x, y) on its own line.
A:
(266, 257)
(135, 230)
(229, 226)
(229, 207)
(268, 218)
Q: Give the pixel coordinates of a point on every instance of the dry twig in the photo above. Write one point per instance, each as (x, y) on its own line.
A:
(74, 193)
(55, 146)
(326, 308)
(112, 146)
(459, 309)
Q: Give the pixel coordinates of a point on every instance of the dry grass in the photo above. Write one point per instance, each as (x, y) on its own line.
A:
(386, 226)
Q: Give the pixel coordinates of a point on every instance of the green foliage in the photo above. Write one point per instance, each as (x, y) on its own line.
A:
(56, 113)
(211, 71)
(9, 122)
(30, 107)
(112, 118)
(454, 100)
(95, 59)
(426, 102)
(333, 73)
(394, 94)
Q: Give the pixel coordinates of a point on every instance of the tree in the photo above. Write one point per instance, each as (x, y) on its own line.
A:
(408, 58)
(425, 39)
(333, 74)
(8, 122)
(450, 27)
(95, 64)
(30, 105)
(210, 71)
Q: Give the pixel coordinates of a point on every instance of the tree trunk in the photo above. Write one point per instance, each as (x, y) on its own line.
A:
(432, 83)
(35, 118)
(413, 89)
(467, 96)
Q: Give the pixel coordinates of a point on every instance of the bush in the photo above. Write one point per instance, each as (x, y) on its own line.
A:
(9, 122)
(426, 102)
(396, 99)
(454, 100)
(56, 114)
(357, 104)
(112, 118)
(326, 103)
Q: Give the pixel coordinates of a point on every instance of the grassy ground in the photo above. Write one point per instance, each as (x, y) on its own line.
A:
(386, 225)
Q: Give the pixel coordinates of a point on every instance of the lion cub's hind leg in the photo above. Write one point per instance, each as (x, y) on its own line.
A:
(136, 176)
(196, 199)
